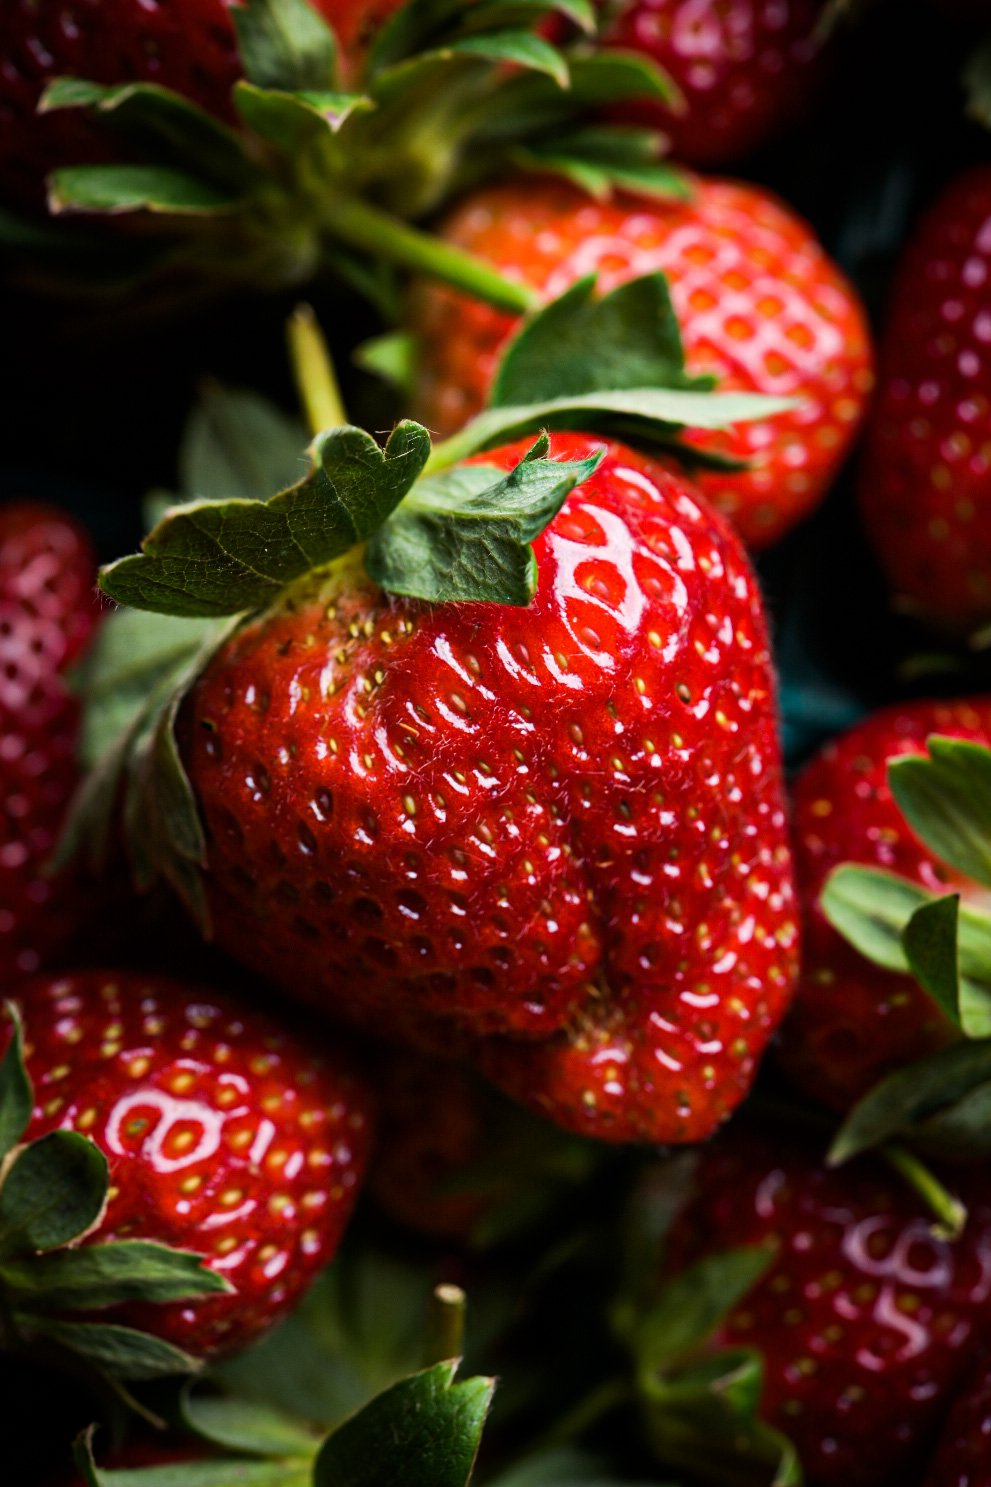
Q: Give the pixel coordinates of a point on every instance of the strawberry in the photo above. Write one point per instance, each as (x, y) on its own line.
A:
(744, 70)
(553, 834)
(48, 610)
(963, 1456)
(863, 1318)
(924, 480)
(224, 1135)
(760, 305)
(852, 1022)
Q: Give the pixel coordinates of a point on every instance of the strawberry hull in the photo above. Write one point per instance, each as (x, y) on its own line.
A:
(551, 835)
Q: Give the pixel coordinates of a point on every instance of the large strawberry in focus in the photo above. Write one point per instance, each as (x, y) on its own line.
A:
(552, 833)
(862, 1319)
(745, 68)
(760, 305)
(853, 1021)
(925, 480)
(222, 1135)
(48, 609)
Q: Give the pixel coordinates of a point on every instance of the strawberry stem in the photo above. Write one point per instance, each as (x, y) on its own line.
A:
(313, 371)
(366, 227)
(950, 1213)
(445, 1329)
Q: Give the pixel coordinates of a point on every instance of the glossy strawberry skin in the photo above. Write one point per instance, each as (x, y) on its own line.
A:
(48, 610)
(963, 1456)
(925, 480)
(744, 68)
(759, 303)
(189, 46)
(864, 1320)
(225, 1135)
(851, 1022)
(555, 833)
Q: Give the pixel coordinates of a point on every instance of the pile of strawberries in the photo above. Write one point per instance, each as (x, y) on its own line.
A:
(414, 949)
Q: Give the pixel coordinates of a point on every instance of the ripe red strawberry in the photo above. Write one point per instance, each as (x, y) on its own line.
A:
(225, 1135)
(759, 303)
(963, 1456)
(852, 1022)
(925, 481)
(865, 1321)
(187, 45)
(48, 608)
(745, 68)
(553, 832)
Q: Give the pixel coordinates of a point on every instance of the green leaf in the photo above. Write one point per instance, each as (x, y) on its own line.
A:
(913, 1096)
(247, 1425)
(976, 81)
(53, 1192)
(292, 120)
(162, 125)
(391, 356)
(16, 1094)
(465, 535)
(946, 799)
(100, 1275)
(222, 557)
(692, 1305)
(423, 1432)
(580, 343)
(221, 1472)
(122, 1352)
(238, 445)
(521, 48)
(130, 188)
(285, 44)
(872, 910)
(929, 940)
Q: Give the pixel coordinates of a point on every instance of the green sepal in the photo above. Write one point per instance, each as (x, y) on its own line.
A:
(872, 910)
(213, 558)
(423, 1432)
(112, 189)
(285, 45)
(391, 356)
(946, 799)
(425, 27)
(100, 1275)
(517, 48)
(225, 1471)
(164, 125)
(942, 1103)
(120, 1352)
(292, 120)
(598, 158)
(693, 1303)
(53, 1192)
(247, 1426)
(929, 940)
(465, 534)
(239, 445)
(16, 1094)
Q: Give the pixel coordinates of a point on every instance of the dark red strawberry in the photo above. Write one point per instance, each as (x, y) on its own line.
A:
(553, 834)
(48, 608)
(760, 305)
(224, 1134)
(745, 68)
(852, 1022)
(189, 46)
(864, 1319)
(963, 1456)
(925, 481)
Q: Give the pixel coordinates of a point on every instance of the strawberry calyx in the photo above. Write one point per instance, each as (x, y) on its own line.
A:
(309, 173)
(942, 1103)
(53, 1195)
(699, 1404)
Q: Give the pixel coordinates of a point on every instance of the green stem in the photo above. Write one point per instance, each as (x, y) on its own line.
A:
(950, 1213)
(367, 227)
(445, 1329)
(313, 371)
